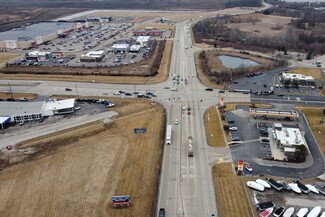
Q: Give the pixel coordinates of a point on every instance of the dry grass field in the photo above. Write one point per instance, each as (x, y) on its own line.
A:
(315, 117)
(29, 96)
(230, 192)
(88, 166)
(267, 24)
(316, 73)
(214, 131)
(5, 57)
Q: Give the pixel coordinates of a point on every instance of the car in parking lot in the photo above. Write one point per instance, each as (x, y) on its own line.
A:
(233, 128)
(109, 104)
(23, 99)
(128, 94)
(235, 138)
(117, 93)
(221, 91)
(208, 89)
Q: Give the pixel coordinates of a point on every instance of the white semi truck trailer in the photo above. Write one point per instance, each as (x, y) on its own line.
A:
(169, 135)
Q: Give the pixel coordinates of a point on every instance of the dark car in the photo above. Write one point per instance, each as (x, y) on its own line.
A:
(10, 99)
(208, 89)
(221, 91)
(128, 94)
(68, 89)
(161, 212)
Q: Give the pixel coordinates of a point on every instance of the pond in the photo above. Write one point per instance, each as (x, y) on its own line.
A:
(236, 62)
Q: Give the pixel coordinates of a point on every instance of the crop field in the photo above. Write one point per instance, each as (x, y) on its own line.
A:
(230, 193)
(77, 175)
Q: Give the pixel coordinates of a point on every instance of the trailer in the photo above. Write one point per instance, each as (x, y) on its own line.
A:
(169, 134)
(190, 146)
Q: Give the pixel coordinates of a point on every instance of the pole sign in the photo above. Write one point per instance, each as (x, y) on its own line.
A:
(140, 130)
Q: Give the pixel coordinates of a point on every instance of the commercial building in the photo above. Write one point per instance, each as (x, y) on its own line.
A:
(288, 78)
(122, 48)
(143, 41)
(4, 121)
(135, 48)
(35, 34)
(21, 111)
(59, 107)
(93, 56)
(30, 111)
(38, 55)
(287, 139)
(148, 32)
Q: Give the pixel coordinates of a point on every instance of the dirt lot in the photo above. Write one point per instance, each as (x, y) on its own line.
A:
(316, 73)
(265, 24)
(230, 193)
(78, 176)
(161, 76)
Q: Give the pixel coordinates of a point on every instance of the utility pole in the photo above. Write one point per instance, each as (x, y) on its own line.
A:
(76, 89)
(10, 91)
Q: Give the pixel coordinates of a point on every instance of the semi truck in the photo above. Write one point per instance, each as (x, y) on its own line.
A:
(190, 146)
(169, 135)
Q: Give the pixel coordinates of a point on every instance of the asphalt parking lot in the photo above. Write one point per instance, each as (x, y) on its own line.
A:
(265, 81)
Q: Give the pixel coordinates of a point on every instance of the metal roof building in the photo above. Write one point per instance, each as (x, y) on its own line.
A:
(29, 111)
(21, 111)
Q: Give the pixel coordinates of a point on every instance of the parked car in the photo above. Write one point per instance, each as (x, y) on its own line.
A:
(68, 89)
(176, 122)
(233, 128)
(23, 99)
(209, 89)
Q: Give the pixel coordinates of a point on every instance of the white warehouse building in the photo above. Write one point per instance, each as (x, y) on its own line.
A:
(143, 41)
(30, 111)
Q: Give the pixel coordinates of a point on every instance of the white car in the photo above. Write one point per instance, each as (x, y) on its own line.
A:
(248, 167)
(233, 128)
(117, 93)
(176, 122)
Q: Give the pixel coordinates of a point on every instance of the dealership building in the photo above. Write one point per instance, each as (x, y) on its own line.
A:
(30, 111)
(93, 56)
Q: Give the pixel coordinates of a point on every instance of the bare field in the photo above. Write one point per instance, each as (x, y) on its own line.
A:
(79, 177)
(213, 127)
(230, 192)
(316, 73)
(315, 117)
(266, 24)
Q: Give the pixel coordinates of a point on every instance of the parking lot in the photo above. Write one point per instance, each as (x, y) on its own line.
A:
(262, 83)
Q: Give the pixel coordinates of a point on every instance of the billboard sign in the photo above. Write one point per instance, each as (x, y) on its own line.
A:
(140, 130)
(12, 44)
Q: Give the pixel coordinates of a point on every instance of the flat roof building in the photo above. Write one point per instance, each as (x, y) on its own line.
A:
(148, 32)
(29, 111)
(135, 48)
(93, 56)
(120, 48)
(143, 41)
(21, 111)
(289, 137)
(289, 78)
(57, 107)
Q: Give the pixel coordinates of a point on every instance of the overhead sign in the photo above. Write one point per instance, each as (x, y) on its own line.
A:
(140, 130)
